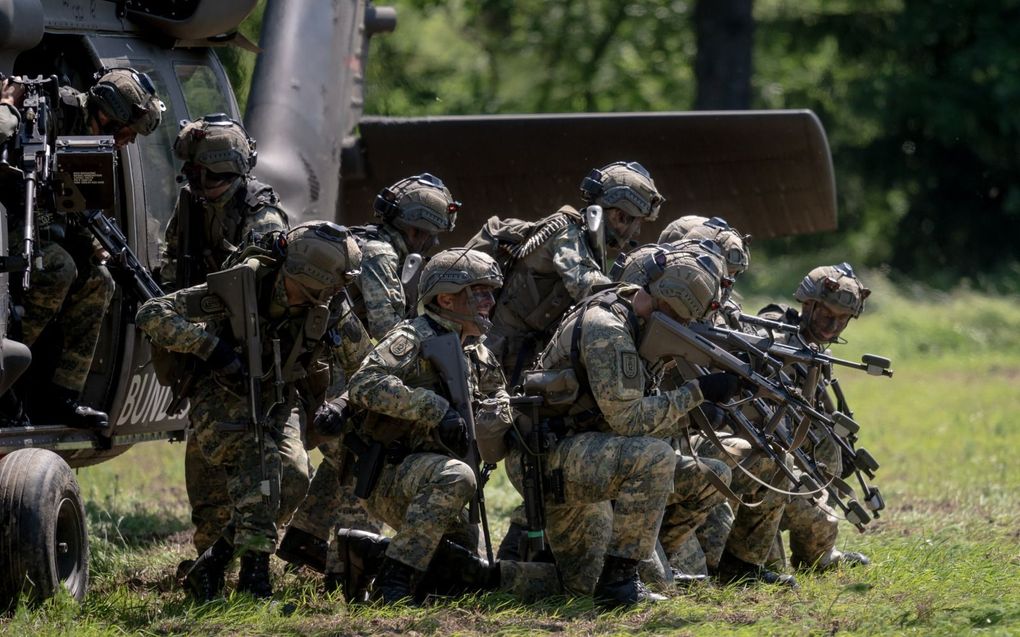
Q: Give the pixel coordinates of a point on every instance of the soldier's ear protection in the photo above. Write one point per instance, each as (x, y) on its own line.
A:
(386, 201)
(120, 109)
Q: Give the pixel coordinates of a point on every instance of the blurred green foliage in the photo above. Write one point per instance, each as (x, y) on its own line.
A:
(919, 98)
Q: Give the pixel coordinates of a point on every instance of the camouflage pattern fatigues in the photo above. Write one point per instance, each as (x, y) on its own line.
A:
(10, 120)
(621, 477)
(380, 303)
(219, 412)
(813, 524)
(217, 230)
(539, 288)
(423, 496)
(72, 288)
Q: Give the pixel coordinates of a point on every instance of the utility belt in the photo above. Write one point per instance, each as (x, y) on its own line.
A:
(366, 459)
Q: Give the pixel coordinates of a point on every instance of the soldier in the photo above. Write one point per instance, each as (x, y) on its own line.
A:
(422, 490)
(292, 298)
(74, 288)
(619, 477)
(413, 212)
(830, 296)
(563, 262)
(220, 206)
(11, 96)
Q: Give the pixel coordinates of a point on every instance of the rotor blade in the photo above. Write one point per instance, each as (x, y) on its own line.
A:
(768, 173)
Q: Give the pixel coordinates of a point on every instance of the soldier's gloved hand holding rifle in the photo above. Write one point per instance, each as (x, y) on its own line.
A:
(224, 359)
(453, 432)
(719, 387)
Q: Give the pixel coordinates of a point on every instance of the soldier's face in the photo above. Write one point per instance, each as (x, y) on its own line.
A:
(825, 323)
(204, 183)
(621, 228)
(476, 301)
(420, 241)
(122, 134)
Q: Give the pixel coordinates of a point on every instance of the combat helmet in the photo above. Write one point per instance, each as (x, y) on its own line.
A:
(626, 185)
(452, 271)
(129, 98)
(735, 247)
(421, 201)
(836, 286)
(688, 283)
(644, 263)
(217, 143)
(322, 257)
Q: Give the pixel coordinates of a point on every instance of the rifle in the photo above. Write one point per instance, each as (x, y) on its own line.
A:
(33, 149)
(534, 444)
(109, 235)
(236, 289)
(668, 338)
(447, 356)
(812, 364)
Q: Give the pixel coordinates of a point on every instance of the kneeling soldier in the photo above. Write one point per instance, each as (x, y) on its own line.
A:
(418, 485)
(239, 425)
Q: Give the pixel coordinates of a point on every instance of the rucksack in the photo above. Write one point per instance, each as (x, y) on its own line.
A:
(509, 240)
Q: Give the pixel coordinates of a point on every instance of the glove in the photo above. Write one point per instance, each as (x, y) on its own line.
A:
(453, 432)
(719, 387)
(224, 359)
(330, 417)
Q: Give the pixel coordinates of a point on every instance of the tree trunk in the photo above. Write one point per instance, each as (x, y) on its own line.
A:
(725, 30)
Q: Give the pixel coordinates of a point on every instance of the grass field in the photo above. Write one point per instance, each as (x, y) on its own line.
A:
(946, 552)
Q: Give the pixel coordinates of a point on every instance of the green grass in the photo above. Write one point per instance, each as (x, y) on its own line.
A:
(946, 552)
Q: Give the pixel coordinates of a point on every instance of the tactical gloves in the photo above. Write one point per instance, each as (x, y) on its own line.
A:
(453, 432)
(331, 417)
(224, 359)
(719, 387)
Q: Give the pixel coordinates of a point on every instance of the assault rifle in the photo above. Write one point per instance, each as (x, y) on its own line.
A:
(235, 287)
(535, 444)
(668, 338)
(447, 356)
(816, 369)
(32, 153)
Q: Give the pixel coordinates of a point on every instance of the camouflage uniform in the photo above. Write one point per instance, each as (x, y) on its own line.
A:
(612, 448)
(423, 496)
(380, 302)
(219, 412)
(72, 287)
(216, 229)
(813, 524)
(10, 120)
(539, 289)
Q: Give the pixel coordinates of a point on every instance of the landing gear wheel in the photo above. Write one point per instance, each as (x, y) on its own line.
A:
(43, 538)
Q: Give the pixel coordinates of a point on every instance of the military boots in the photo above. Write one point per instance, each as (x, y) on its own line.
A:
(254, 575)
(619, 584)
(61, 407)
(361, 555)
(394, 582)
(206, 576)
(732, 569)
(301, 548)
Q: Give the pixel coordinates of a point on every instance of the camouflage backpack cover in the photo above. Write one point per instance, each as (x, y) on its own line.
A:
(509, 240)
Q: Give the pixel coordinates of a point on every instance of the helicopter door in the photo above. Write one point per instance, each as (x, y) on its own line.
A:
(189, 81)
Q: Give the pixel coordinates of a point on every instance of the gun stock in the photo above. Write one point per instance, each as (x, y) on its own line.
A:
(445, 354)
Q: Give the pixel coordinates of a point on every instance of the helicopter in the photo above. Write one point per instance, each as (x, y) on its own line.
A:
(769, 172)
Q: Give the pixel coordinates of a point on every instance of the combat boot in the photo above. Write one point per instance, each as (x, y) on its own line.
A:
(361, 556)
(205, 577)
(619, 584)
(394, 582)
(732, 569)
(838, 558)
(254, 575)
(301, 548)
(456, 570)
(62, 408)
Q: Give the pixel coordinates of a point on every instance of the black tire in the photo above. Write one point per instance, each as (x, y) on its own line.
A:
(44, 542)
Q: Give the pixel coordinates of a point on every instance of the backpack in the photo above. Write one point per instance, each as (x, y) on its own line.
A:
(509, 240)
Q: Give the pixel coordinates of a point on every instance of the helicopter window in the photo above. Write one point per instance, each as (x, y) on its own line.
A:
(202, 92)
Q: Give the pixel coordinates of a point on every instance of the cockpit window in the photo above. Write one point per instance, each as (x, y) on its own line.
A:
(202, 93)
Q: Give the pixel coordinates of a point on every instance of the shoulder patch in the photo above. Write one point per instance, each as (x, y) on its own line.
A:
(629, 364)
(400, 346)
